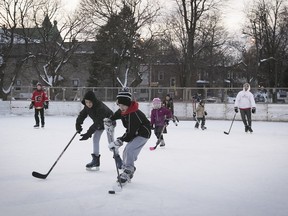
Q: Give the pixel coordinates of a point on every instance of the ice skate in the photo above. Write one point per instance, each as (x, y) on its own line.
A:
(246, 128)
(203, 128)
(162, 143)
(36, 126)
(250, 129)
(94, 165)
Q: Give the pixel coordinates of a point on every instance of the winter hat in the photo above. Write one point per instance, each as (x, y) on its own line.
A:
(156, 102)
(89, 96)
(124, 97)
(38, 84)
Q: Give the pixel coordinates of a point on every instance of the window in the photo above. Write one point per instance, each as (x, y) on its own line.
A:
(160, 75)
(75, 84)
(18, 84)
(172, 82)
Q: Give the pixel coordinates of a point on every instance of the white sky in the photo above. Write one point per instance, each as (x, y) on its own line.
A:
(233, 16)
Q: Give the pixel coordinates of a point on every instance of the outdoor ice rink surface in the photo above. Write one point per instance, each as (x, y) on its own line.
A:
(198, 173)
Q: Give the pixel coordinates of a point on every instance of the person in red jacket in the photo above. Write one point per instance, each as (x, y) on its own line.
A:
(40, 102)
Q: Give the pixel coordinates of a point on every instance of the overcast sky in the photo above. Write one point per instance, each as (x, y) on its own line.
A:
(233, 16)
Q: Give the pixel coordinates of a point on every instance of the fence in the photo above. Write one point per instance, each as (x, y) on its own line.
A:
(146, 94)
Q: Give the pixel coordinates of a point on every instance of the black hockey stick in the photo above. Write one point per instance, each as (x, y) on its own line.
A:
(159, 139)
(44, 176)
(227, 133)
(118, 175)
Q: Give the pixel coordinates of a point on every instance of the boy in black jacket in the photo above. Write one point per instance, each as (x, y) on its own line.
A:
(138, 131)
(97, 111)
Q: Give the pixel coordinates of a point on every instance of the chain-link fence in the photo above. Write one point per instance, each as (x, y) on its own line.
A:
(211, 95)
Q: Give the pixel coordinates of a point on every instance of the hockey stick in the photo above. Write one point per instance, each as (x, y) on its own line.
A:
(118, 175)
(159, 139)
(44, 176)
(227, 133)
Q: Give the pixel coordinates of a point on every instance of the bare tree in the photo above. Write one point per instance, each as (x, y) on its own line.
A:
(195, 27)
(27, 27)
(267, 26)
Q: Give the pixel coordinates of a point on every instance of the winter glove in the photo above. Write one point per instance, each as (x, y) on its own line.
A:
(205, 113)
(31, 105)
(236, 109)
(46, 104)
(107, 122)
(78, 128)
(253, 110)
(85, 136)
(194, 114)
(115, 145)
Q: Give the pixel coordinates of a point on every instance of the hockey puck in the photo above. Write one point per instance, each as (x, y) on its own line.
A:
(111, 192)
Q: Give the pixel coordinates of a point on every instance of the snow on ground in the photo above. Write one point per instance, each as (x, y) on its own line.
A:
(199, 173)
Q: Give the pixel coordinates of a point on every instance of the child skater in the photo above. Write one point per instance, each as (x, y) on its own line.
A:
(200, 115)
(97, 111)
(138, 131)
(40, 102)
(160, 116)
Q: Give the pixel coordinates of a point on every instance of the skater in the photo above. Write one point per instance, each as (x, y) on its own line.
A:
(40, 102)
(138, 131)
(97, 111)
(200, 115)
(245, 102)
(160, 116)
(168, 103)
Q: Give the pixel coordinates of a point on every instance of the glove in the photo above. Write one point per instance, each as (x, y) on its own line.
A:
(85, 136)
(194, 114)
(115, 145)
(205, 113)
(107, 122)
(31, 105)
(46, 104)
(78, 128)
(253, 110)
(236, 109)
(167, 121)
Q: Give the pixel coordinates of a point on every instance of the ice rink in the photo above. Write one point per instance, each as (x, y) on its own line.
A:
(199, 173)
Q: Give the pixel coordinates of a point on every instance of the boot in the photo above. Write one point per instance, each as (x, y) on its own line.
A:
(95, 163)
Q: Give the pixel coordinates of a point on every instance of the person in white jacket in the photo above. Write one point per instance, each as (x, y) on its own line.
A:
(245, 103)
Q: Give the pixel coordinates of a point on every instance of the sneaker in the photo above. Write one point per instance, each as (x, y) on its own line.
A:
(162, 143)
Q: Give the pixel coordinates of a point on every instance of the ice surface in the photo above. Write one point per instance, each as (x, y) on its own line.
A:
(199, 173)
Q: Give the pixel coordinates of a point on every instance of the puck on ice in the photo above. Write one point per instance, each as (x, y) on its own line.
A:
(111, 192)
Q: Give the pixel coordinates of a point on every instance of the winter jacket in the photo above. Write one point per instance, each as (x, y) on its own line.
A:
(200, 111)
(134, 121)
(245, 100)
(97, 113)
(38, 99)
(169, 105)
(158, 116)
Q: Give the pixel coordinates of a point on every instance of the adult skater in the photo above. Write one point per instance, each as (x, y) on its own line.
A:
(138, 131)
(245, 102)
(97, 111)
(160, 116)
(40, 102)
(168, 103)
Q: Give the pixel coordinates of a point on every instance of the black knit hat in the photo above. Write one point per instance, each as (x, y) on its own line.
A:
(124, 97)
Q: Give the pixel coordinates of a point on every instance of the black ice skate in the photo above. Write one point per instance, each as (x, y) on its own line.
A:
(36, 126)
(126, 176)
(246, 128)
(203, 128)
(250, 129)
(94, 165)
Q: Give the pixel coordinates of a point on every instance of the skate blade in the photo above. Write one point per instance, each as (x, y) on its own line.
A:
(93, 169)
